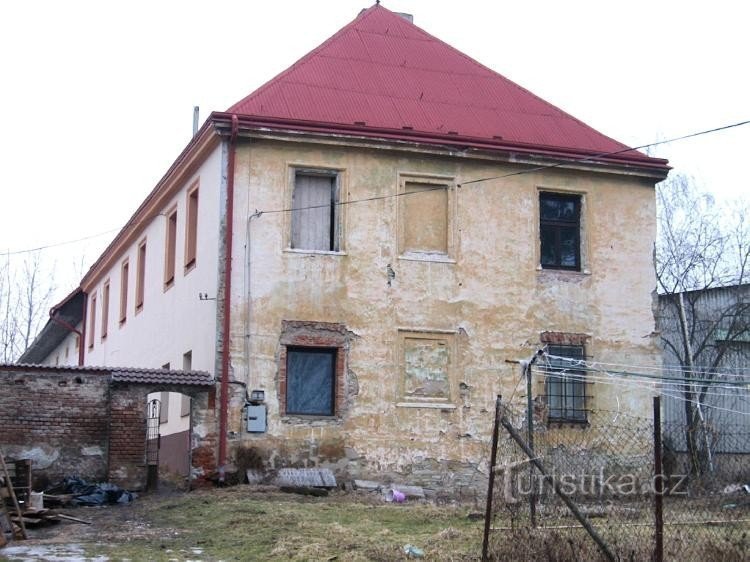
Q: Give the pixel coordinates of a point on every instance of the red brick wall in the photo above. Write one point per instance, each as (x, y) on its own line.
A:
(60, 421)
(563, 338)
(127, 442)
(80, 423)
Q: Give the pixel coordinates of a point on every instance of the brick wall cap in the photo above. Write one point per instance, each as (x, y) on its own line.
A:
(121, 374)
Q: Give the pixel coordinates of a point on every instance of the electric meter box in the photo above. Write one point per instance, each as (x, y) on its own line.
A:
(256, 418)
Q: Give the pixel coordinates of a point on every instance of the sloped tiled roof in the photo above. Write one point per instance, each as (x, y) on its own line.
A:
(70, 311)
(382, 71)
(163, 376)
(122, 374)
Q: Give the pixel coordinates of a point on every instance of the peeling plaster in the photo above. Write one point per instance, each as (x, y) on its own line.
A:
(43, 456)
(493, 296)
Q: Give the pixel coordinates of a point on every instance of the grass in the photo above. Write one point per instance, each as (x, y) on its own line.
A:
(251, 523)
(242, 523)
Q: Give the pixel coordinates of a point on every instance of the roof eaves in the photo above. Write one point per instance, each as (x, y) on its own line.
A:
(136, 221)
(627, 156)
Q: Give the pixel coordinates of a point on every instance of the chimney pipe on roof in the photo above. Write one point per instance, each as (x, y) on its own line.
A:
(407, 17)
(196, 112)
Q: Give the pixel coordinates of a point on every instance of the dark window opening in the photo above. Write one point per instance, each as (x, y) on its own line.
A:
(560, 231)
(566, 385)
(310, 381)
(315, 212)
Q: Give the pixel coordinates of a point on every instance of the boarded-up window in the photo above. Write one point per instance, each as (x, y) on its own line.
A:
(310, 381)
(169, 250)
(191, 228)
(426, 368)
(187, 365)
(315, 212)
(140, 280)
(105, 308)
(92, 320)
(424, 212)
(124, 275)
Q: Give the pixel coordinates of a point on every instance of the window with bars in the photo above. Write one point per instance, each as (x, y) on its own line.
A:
(565, 384)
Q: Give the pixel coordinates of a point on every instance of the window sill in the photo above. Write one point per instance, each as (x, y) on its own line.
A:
(426, 257)
(582, 272)
(432, 405)
(308, 419)
(561, 424)
(314, 252)
(190, 266)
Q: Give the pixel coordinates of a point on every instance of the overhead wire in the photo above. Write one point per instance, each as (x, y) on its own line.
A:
(653, 387)
(678, 369)
(587, 366)
(534, 169)
(613, 153)
(625, 383)
(621, 380)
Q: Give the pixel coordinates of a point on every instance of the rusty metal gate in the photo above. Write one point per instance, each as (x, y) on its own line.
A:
(153, 438)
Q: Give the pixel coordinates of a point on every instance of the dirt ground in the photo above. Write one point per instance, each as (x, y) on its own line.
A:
(255, 523)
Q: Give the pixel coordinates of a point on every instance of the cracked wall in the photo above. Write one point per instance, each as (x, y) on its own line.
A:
(429, 419)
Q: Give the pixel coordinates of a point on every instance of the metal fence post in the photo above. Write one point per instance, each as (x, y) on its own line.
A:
(603, 546)
(491, 482)
(658, 485)
(530, 421)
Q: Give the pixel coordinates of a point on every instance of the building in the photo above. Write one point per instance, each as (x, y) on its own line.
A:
(719, 328)
(366, 239)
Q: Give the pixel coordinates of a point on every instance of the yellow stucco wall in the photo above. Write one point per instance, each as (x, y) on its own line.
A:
(490, 299)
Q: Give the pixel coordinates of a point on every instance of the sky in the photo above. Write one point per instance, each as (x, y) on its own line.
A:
(97, 97)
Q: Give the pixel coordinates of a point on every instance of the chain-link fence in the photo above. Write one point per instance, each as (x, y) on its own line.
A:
(598, 497)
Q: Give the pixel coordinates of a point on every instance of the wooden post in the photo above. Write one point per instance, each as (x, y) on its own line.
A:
(556, 487)
(9, 484)
(658, 486)
(491, 482)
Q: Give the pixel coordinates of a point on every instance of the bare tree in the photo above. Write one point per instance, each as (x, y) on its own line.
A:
(26, 288)
(701, 260)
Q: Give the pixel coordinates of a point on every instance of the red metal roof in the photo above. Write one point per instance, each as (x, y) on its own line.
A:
(382, 71)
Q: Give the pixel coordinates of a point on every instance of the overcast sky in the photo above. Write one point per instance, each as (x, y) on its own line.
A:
(97, 97)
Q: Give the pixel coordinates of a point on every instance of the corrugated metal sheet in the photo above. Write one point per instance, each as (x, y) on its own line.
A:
(727, 407)
(386, 72)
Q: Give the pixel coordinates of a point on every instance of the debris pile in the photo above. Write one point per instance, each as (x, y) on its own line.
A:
(80, 492)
